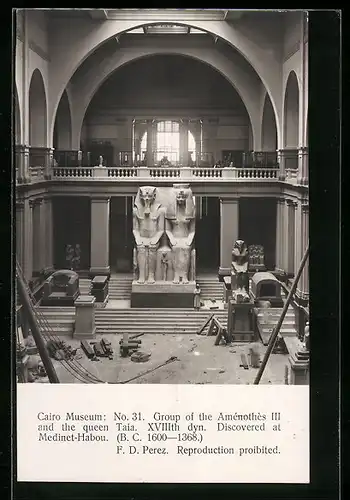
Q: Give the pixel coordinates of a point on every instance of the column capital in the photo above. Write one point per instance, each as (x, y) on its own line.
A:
(31, 203)
(20, 204)
(22, 148)
(281, 200)
(100, 199)
(305, 206)
(229, 200)
(292, 203)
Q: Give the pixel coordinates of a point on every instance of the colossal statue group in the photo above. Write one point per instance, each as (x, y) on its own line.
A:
(164, 229)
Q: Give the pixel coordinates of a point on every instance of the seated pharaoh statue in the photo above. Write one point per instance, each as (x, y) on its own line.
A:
(148, 227)
(239, 267)
(180, 229)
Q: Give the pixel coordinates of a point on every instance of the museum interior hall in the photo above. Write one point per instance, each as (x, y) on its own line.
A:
(161, 173)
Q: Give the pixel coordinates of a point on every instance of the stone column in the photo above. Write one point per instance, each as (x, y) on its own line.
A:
(303, 166)
(229, 231)
(184, 143)
(150, 152)
(28, 240)
(298, 241)
(47, 231)
(291, 238)
(281, 162)
(48, 163)
(280, 238)
(20, 232)
(99, 264)
(304, 279)
(22, 164)
(37, 240)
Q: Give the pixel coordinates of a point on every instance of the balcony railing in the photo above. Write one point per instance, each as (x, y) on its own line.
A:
(194, 174)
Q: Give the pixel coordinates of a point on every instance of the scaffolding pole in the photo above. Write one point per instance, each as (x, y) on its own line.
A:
(277, 328)
(39, 341)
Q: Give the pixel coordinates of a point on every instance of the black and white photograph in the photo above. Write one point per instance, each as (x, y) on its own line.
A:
(161, 223)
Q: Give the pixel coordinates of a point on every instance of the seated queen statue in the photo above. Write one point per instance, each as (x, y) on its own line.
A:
(180, 229)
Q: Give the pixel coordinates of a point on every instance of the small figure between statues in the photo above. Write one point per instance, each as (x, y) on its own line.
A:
(197, 297)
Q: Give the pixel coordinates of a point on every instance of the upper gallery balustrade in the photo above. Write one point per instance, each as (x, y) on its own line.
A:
(45, 164)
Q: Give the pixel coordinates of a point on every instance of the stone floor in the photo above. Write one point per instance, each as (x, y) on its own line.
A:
(198, 362)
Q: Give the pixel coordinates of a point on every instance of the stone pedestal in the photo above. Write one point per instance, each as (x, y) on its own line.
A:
(162, 294)
(100, 207)
(240, 326)
(228, 232)
(99, 290)
(299, 367)
(84, 317)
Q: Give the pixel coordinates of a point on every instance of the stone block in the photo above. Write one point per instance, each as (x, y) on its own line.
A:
(85, 317)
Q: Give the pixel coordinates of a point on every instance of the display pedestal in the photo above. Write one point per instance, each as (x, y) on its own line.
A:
(162, 294)
(99, 290)
(240, 325)
(84, 317)
(299, 364)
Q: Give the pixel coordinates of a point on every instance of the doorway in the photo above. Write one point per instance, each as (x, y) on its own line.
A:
(207, 239)
(121, 239)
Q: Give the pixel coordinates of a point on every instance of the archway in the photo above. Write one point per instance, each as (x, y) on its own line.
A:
(269, 129)
(264, 64)
(17, 115)
(62, 138)
(37, 111)
(85, 90)
(291, 112)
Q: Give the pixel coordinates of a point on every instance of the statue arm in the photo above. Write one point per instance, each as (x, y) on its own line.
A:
(169, 232)
(191, 232)
(161, 226)
(136, 230)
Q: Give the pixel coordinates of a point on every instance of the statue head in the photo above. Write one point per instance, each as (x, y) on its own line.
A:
(183, 199)
(147, 195)
(239, 245)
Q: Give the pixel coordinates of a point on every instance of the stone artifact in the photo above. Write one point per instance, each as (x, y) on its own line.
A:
(180, 229)
(266, 287)
(61, 288)
(256, 258)
(239, 267)
(148, 227)
(76, 258)
(69, 256)
(306, 342)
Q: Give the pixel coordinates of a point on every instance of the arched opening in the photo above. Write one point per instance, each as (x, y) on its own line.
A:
(37, 111)
(269, 129)
(291, 112)
(17, 115)
(62, 136)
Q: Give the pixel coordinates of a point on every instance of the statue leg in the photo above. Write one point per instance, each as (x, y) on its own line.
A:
(185, 258)
(141, 261)
(176, 265)
(152, 261)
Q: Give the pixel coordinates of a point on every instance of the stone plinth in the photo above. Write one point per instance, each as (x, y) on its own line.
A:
(85, 317)
(227, 284)
(99, 290)
(162, 294)
(299, 364)
(240, 327)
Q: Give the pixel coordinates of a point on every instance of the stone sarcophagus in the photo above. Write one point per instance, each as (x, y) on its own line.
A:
(164, 254)
(61, 288)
